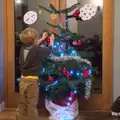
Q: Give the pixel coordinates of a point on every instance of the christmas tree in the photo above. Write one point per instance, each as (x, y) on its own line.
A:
(65, 73)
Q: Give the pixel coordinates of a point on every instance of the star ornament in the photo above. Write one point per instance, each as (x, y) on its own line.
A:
(30, 17)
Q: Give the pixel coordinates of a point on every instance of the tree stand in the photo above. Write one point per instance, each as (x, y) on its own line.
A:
(60, 112)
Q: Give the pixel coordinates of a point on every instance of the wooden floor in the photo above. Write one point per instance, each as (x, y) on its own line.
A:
(10, 115)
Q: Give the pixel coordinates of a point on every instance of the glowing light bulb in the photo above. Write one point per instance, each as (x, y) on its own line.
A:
(73, 51)
(70, 98)
(46, 89)
(68, 104)
(75, 92)
(90, 72)
(78, 73)
(57, 43)
(71, 72)
(55, 46)
(43, 70)
(62, 54)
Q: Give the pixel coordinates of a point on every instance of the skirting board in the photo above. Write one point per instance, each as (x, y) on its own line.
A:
(2, 106)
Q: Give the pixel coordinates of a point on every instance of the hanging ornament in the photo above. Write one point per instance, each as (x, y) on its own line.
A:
(74, 43)
(50, 79)
(53, 16)
(79, 43)
(76, 13)
(48, 40)
(85, 73)
(87, 12)
(67, 75)
(30, 17)
(64, 71)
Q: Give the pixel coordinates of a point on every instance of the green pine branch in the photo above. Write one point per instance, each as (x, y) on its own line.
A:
(51, 6)
(44, 8)
(70, 8)
(54, 10)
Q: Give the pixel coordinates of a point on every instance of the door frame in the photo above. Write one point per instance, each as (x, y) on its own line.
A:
(101, 102)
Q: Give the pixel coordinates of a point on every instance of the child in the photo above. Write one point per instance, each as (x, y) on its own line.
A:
(31, 57)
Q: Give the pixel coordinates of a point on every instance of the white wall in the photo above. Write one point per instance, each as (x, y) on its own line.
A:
(116, 79)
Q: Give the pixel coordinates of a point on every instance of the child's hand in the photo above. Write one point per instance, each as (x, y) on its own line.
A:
(52, 37)
(45, 34)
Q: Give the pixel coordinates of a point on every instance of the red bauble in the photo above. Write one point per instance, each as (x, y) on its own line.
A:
(68, 75)
(75, 15)
(74, 43)
(85, 73)
(48, 40)
(79, 43)
(50, 79)
(77, 12)
(71, 94)
(64, 71)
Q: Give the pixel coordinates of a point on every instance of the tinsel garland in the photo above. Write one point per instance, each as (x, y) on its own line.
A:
(64, 58)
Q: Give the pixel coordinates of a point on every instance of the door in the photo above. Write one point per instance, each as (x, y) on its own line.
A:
(13, 21)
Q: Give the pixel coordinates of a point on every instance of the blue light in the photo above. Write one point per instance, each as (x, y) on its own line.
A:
(71, 72)
(78, 73)
(55, 82)
(46, 89)
(61, 46)
(58, 43)
(73, 51)
(90, 71)
(62, 54)
(75, 92)
(55, 46)
(43, 70)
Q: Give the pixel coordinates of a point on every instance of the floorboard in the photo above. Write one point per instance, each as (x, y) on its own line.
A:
(9, 114)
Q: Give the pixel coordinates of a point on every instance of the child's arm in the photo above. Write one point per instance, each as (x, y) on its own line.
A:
(45, 51)
(52, 37)
(45, 34)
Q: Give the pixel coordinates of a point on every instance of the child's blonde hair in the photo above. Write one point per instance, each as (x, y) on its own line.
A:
(29, 36)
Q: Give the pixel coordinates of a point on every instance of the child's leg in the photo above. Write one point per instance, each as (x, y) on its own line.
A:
(21, 111)
(32, 100)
